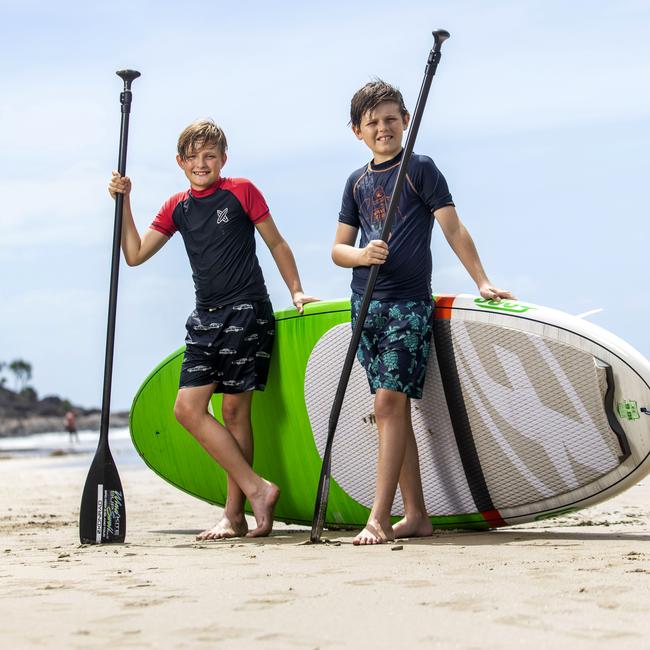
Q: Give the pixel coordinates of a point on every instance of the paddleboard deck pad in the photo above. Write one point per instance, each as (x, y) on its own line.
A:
(527, 413)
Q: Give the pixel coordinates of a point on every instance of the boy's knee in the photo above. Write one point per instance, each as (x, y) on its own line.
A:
(183, 412)
(234, 413)
(389, 404)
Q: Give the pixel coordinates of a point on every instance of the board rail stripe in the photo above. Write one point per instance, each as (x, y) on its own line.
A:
(443, 307)
(494, 518)
(459, 418)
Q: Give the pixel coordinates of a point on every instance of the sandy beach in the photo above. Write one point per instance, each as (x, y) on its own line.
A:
(578, 582)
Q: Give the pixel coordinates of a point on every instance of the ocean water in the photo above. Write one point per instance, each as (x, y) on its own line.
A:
(57, 444)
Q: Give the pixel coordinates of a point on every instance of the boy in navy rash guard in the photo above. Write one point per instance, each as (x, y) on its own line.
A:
(396, 337)
(230, 333)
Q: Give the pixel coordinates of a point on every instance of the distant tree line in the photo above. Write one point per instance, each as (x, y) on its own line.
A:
(21, 371)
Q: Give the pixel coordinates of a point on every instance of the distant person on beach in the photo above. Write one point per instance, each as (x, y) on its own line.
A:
(70, 424)
(396, 338)
(230, 333)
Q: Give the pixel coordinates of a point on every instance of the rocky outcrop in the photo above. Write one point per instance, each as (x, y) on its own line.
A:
(26, 426)
(24, 414)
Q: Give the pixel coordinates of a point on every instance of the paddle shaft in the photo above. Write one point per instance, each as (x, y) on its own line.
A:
(318, 521)
(102, 515)
(125, 99)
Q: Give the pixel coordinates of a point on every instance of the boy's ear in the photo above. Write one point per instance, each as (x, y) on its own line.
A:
(179, 160)
(225, 158)
(357, 131)
(407, 120)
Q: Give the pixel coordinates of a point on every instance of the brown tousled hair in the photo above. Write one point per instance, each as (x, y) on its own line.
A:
(199, 134)
(368, 97)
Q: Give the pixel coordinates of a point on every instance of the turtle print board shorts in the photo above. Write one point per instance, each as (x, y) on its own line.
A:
(395, 343)
(229, 346)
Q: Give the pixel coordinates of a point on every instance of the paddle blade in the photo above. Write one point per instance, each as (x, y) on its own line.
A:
(102, 519)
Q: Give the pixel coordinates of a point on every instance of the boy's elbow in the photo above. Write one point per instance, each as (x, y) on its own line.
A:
(132, 260)
(339, 256)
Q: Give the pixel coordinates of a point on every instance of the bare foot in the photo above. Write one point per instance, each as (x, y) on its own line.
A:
(263, 504)
(225, 529)
(373, 533)
(413, 527)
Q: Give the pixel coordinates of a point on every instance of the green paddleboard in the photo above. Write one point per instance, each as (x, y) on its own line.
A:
(527, 413)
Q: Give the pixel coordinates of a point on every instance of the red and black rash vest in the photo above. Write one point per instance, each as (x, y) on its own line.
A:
(218, 228)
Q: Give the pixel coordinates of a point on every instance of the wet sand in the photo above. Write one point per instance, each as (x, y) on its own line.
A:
(578, 582)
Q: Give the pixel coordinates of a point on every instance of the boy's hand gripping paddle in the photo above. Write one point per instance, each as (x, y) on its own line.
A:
(440, 36)
(102, 517)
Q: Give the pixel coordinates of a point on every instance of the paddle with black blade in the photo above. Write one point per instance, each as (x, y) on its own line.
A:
(439, 36)
(102, 518)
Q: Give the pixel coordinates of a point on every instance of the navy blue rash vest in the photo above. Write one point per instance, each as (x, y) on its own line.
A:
(407, 272)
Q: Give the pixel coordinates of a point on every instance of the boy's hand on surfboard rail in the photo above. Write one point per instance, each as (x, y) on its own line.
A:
(299, 299)
(490, 292)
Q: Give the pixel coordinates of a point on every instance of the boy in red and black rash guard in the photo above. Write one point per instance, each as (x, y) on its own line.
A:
(230, 333)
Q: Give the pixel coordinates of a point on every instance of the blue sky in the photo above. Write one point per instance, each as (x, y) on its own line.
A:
(539, 117)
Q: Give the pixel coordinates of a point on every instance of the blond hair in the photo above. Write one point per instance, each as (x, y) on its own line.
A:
(199, 134)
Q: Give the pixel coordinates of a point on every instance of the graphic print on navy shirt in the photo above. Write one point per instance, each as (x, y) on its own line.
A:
(218, 228)
(406, 274)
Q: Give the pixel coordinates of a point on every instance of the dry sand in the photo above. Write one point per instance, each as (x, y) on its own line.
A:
(578, 582)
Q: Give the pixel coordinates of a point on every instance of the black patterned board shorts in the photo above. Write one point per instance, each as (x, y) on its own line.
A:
(229, 346)
(395, 343)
